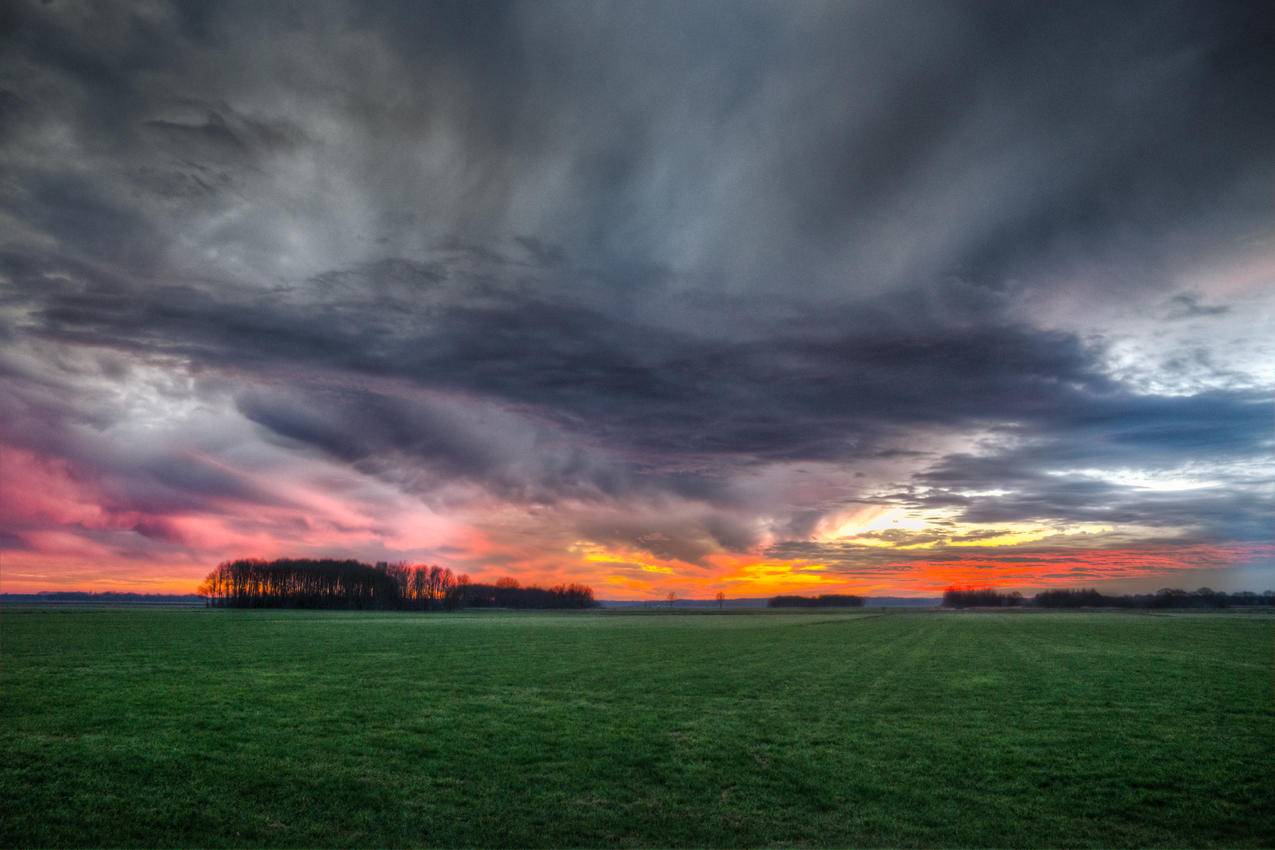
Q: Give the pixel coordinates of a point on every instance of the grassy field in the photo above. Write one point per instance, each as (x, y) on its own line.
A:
(233, 728)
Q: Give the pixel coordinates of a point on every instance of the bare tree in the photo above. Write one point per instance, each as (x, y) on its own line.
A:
(671, 597)
(721, 599)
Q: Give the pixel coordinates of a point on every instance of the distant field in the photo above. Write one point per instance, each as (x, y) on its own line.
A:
(236, 728)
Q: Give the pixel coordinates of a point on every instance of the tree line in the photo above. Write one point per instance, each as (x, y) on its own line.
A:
(986, 597)
(330, 583)
(1164, 598)
(980, 597)
(508, 593)
(826, 600)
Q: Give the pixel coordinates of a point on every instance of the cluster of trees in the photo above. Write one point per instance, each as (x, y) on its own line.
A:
(1164, 598)
(508, 593)
(980, 597)
(984, 597)
(827, 600)
(328, 583)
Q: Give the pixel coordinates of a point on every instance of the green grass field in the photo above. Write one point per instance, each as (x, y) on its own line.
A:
(233, 728)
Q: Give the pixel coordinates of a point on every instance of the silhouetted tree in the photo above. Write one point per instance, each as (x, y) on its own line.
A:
(327, 583)
(287, 583)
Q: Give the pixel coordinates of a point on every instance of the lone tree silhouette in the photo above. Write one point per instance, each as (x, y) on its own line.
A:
(672, 597)
(721, 599)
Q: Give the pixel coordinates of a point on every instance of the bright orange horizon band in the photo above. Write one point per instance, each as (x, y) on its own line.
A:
(738, 576)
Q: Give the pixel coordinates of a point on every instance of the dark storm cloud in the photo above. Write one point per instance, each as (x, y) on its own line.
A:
(836, 387)
(419, 442)
(625, 251)
(830, 386)
(810, 131)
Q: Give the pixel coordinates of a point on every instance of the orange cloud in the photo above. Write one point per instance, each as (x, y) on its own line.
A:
(61, 532)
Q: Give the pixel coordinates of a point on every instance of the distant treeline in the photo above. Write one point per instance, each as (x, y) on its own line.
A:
(979, 597)
(1165, 598)
(327, 583)
(827, 600)
(508, 593)
(109, 597)
(984, 597)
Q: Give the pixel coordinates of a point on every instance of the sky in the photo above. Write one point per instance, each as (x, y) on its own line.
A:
(661, 297)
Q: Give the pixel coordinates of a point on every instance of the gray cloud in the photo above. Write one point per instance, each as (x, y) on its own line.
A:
(1186, 305)
(602, 255)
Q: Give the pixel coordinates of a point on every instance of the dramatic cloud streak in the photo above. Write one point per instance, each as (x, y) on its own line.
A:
(721, 296)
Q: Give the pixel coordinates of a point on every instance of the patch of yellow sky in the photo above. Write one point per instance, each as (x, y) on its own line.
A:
(640, 572)
(875, 526)
(896, 528)
(593, 554)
